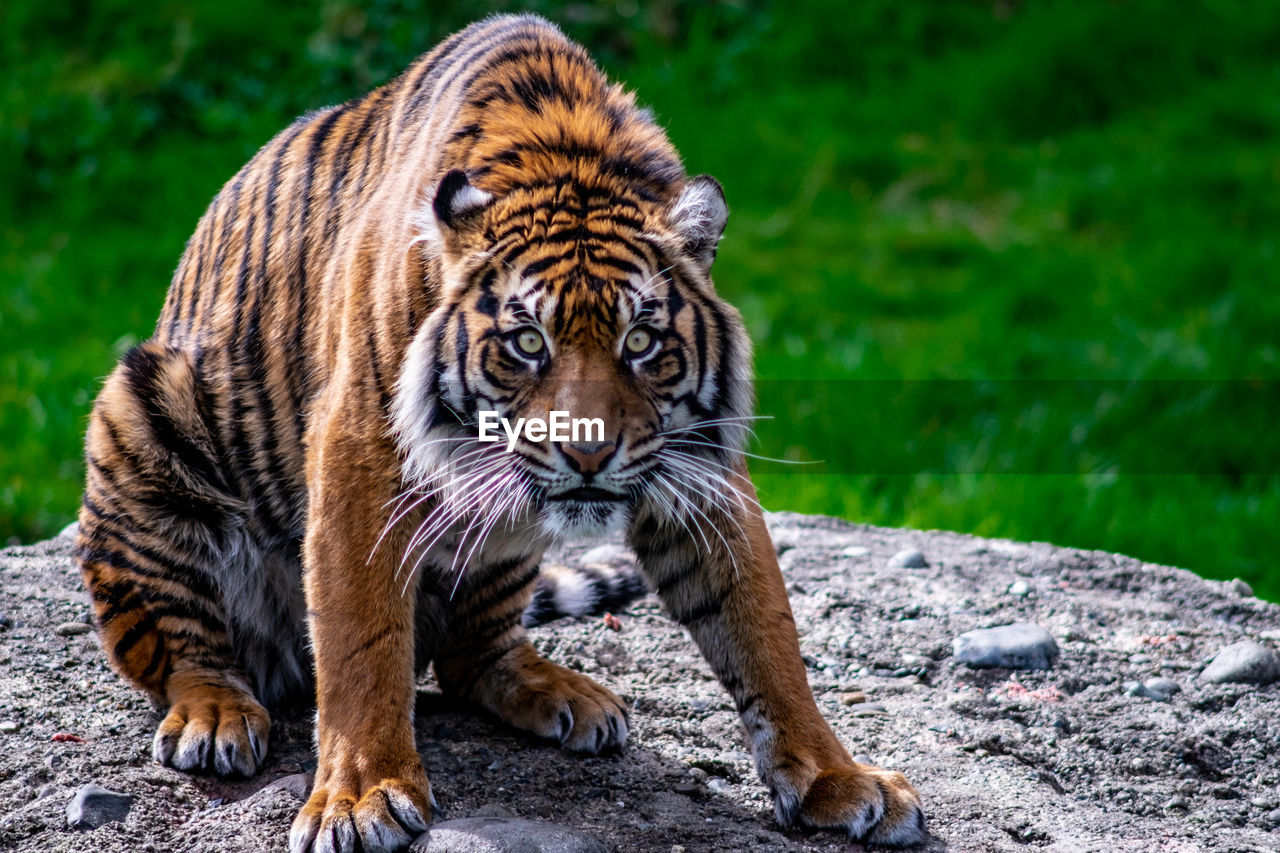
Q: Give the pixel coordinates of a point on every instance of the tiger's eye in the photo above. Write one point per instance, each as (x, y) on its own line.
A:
(530, 342)
(638, 341)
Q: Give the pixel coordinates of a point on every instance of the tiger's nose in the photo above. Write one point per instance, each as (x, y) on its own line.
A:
(586, 457)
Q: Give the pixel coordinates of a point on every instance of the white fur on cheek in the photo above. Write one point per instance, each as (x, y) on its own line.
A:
(411, 410)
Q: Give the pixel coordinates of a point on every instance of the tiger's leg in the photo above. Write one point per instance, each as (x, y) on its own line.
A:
(734, 603)
(154, 510)
(490, 663)
(371, 791)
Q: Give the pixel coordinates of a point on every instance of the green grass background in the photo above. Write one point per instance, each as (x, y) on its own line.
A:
(1010, 267)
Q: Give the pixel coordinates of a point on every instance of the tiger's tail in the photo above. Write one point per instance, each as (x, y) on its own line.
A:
(584, 589)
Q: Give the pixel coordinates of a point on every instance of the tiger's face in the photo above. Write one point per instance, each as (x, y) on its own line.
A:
(593, 314)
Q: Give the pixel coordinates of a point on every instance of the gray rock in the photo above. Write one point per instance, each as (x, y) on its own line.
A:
(5, 622)
(71, 629)
(8, 727)
(909, 558)
(1137, 688)
(1241, 588)
(297, 784)
(1020, 588)
(1021, 645)
(93, 806)
(70, 531)
(1166, 687)
(503, 835)
(1243, 663)
(719, 786)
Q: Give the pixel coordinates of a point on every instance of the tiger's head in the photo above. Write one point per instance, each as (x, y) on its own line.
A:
(598, 305)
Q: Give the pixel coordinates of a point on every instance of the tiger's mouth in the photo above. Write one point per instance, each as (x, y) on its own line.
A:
(588, 494)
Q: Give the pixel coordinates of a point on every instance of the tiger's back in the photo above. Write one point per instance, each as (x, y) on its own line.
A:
(286, 476)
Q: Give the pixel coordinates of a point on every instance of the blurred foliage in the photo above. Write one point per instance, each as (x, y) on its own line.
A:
(961, 192)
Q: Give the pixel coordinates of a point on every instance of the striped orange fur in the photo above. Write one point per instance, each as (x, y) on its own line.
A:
(287, 477)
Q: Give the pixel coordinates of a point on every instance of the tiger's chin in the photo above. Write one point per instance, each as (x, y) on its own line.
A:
(571, 518)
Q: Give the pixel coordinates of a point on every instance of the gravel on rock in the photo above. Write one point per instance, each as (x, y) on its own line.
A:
(1018, 646)
(1056, 759)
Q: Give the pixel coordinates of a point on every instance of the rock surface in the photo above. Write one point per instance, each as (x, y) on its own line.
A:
(1058, 759)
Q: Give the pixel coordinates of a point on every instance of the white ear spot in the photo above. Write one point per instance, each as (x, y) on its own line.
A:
(699, 216)
(456, 199)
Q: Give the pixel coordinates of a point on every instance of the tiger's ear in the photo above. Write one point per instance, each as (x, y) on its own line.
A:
(457, 200)
(698, 216)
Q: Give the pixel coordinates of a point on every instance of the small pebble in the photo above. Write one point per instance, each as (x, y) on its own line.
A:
(1241, 588)
(1019, 588)
(852, 698)
(1243, 663)
(8, 727)
(1136, 688)
(856, 551)
(1274, 817)
(719, 786)
(910, 558)
(1018, 646)
(70, 531)
(1262, 803)
(863, 758)
(698, 774)
(5, 623)
(71, 629)
(1178, 803)
(868, 709)
(1166, 687)
(92, 806)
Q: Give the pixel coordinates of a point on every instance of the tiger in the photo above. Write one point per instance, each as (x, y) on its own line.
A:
(287, 497)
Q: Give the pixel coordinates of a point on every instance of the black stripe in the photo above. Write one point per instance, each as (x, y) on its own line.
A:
(494, 595)
(295, 356)
(669, 583)
(130, 638)
(142, 372)
(704, 610)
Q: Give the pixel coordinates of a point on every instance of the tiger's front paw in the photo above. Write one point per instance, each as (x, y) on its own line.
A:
(869, 803)
(534, 694)
(218, 728)
(350, 811)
